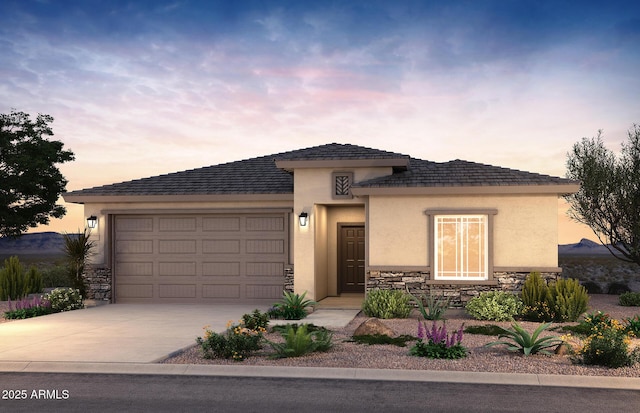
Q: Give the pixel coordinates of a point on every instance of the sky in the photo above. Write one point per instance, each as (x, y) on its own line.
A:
(143, 88)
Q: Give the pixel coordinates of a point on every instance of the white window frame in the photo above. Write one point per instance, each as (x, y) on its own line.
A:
(462, 271)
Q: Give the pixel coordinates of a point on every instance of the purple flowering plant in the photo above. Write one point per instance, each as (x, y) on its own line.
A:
(437, 342)
(27, 308)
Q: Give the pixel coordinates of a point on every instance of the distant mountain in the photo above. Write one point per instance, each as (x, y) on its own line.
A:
(35, 243)
(584, 247)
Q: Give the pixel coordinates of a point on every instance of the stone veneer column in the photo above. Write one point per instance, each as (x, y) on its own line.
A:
(98, 283)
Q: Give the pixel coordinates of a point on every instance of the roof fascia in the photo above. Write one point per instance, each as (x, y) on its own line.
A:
(290, 165)
(98, 199)
(559, 189)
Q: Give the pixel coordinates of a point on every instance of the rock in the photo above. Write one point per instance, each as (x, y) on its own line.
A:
(372, 327)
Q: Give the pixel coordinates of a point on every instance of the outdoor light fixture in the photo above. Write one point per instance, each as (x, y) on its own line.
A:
(303, 219)
(92, 221)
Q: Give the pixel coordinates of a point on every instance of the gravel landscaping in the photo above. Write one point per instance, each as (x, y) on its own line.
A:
(347, 354)
(480, 359)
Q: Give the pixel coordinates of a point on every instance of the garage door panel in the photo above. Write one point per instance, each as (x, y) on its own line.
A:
(179, 269)
(216, 269)
(265, 224)
(134, 247)
(266, 246)
(220, 224)
(177, 291)
(199, 258)
(177, 246)
(221, 291)
(135, 268)
(263, 291)
(134, 291)
(265, 269)
(175, 224)
(134, 224)
(222, 246)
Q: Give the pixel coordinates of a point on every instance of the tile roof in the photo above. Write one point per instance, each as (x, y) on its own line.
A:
(262, 176)
(459, 173)
(251, 176)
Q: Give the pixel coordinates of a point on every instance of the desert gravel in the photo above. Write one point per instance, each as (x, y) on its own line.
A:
(347, 354)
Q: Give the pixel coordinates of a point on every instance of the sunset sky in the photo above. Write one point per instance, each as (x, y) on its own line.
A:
(141, 88)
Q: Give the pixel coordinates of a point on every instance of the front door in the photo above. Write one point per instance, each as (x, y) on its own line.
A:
(351, 258)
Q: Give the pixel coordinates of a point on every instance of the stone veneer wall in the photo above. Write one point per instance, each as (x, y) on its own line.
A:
(288, 280)
(459, 294)
(98, 283)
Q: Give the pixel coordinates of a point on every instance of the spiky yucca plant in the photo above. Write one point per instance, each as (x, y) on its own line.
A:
(78, 248)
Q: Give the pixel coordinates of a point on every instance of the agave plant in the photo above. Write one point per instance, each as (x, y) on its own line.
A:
(520, 340)
(434, 308)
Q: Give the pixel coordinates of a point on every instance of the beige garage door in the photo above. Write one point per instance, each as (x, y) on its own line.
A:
(199, 258)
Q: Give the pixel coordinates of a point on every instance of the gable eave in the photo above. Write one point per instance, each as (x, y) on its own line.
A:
(100, 199)
(558, 190)
(290, 165)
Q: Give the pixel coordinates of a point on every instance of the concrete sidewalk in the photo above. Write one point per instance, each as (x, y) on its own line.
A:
(126, 333)
(426, 376)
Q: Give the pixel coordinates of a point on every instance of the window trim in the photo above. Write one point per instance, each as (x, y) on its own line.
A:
(432, 213)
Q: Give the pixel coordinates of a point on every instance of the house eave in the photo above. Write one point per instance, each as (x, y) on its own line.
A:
(290, 165)
(468, 190)
(99, 199)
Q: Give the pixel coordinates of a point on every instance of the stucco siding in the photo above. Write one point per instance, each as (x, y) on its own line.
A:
(315, 255)
(525, 230)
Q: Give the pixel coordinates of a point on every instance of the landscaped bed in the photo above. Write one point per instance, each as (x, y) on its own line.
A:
(346, 354)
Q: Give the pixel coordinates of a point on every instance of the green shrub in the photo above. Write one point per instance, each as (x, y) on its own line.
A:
(33, 281)
(568, 299)
(485, 330)
(518, 339)
(64, 299)
(56, 276)
(400, 341)
(387, 304)
(590, 323)
(534, 290)
(539, 312)
(563, 300)
(15, 283)
(256, 320)
(608, 346)
(291, 306)
(633, 325)
(431, 307)
(494, 306)
(629, 299)
(237, 342)
(298, 341)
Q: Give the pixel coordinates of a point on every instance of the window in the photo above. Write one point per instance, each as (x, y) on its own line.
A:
(461, 244)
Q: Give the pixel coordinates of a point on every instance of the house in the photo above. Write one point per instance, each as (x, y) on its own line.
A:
(328, 220)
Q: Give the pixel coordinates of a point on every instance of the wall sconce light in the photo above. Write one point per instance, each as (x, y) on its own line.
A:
(302, 218)
(92, 221)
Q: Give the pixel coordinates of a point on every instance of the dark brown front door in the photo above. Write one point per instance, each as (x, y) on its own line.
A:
(351, 258)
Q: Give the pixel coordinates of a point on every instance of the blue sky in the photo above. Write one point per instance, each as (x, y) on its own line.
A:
(140, 88)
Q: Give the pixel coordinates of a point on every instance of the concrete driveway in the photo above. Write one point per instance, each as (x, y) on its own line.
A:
(126, 333)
